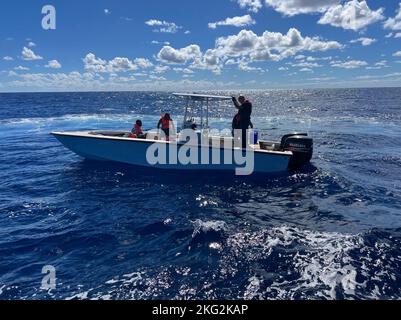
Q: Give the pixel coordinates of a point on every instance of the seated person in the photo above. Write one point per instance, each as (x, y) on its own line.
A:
(190, 124)
(137, 132)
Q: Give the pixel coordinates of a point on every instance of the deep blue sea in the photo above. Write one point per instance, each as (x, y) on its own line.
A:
(331, 231)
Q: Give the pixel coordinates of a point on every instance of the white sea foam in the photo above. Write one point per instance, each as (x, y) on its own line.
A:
(80, 296)
(206, 226)
(253, 289)
(320, 265)
(74, 118)
(322, 260)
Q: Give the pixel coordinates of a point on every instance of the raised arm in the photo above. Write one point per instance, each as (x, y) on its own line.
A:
(236, 103)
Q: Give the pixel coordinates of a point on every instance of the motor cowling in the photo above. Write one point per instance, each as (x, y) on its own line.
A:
(302, 148)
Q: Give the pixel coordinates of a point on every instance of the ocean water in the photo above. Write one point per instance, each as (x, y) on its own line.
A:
(330, 231)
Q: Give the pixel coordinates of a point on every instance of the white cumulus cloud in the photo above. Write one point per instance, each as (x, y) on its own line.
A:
(143, 63)
(246, 47)
(271, 45)
(161, 69)
(308, 65)
(28, 54)
(394, 23)
(53, 64)
(8, 58)
(251, 5)
(241, 21)
(244, 66)
(170, 55)
(116, 65)
(351, 64)
(163, 26)
(353, 15)
(382, 63)
(93, 64)
(294, 7)
(21, 68)
(184, 70)
(364, 41)
(120, 64)
(166, 43)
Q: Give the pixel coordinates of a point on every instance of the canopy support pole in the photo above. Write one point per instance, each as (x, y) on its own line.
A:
(186, 112)
(202, 106)
(207, 113)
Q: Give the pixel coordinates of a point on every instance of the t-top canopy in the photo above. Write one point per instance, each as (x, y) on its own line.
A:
(204, 97)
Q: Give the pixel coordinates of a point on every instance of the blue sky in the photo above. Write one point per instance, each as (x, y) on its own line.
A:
(209, 44)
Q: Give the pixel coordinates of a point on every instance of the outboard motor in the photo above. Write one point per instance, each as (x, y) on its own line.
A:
(301, 146)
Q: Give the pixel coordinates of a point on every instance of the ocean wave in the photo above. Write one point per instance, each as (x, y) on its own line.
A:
(69, 118)
(292, 264)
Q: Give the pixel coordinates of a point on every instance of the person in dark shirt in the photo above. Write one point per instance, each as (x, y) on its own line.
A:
(242, 120)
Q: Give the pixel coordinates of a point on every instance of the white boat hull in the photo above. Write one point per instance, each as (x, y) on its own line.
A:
(133, 152)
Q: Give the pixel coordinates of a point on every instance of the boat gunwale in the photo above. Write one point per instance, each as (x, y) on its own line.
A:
(87, 135)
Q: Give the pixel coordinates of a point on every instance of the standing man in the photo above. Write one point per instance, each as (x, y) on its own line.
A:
(243, 119)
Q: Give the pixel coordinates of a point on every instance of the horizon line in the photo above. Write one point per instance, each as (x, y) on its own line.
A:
(204, 90)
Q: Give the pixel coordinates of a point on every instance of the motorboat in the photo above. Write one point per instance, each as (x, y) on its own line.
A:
(195, 147)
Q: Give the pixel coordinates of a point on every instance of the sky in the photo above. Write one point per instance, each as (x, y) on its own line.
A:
(173, 45)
